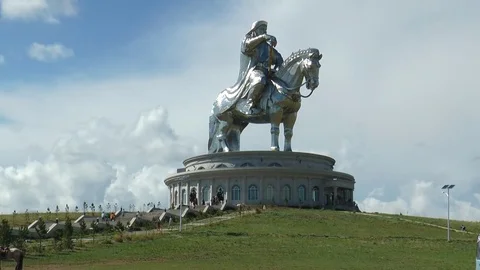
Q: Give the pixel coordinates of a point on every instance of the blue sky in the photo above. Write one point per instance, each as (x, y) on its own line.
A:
(106, 36)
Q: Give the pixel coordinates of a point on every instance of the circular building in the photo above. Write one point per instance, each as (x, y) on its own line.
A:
(261, 178)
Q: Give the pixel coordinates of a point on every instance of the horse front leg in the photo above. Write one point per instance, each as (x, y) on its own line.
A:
(275, 120)
(288, 123)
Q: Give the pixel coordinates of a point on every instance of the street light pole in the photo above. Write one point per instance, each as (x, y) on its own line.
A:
(448, 187)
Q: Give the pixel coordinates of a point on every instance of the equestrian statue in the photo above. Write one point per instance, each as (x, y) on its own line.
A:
(267, 91)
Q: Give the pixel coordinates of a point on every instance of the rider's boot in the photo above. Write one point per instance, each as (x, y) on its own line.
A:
(253, 99)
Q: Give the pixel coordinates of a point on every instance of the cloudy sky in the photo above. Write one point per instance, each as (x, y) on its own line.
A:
(100, 100)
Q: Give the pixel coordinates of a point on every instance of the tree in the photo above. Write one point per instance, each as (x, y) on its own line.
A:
(27, 217)
(57, 237)
(67, 209)
(41, 229)
(94, 227)
(23, 233)
(83, 229)
(13, 217)
(92, 208)
(119, 227)
(67, 241)
(6, 235)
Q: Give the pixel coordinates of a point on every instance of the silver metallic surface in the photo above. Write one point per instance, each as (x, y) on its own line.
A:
(267, 91)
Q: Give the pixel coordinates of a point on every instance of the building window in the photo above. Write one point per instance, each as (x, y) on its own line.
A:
(206, 194)
(286, 195)
(252, 193)
(175, 201)
(221, 166)
(201, 168)
(316, 194)
(302, 194)
(235, 193)
(270, 193)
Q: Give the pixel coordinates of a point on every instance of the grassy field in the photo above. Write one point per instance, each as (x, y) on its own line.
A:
(281, 239)
(454, 224)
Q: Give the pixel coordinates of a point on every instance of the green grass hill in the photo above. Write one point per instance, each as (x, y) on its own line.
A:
(283, 238)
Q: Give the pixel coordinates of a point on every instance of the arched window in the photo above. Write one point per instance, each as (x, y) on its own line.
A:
(316, 194)
(252, 193)
(286, 194)
(184, 197)
(302, 194)
(235, 193)
(270, 193)
(248, 164)
(275, 164)
(221, 166)
(206, 194)
(201, 168)
(175, 198)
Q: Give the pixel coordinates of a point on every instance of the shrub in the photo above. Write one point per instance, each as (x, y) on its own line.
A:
(118, 238)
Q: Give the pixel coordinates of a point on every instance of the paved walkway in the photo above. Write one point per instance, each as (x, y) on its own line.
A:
(417, 222)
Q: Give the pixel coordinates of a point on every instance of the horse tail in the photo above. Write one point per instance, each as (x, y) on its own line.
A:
(213, 126)
(213, 142)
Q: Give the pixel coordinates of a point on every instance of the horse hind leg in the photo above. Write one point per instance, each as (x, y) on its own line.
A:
(225, 124)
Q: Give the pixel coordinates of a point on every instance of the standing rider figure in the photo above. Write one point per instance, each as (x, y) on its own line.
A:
(259, 47)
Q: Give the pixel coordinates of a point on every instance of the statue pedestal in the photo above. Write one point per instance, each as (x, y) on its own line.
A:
(263, 178)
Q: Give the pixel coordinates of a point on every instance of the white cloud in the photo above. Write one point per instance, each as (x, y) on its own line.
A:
(49, 52)
(385, 108)
(2, 59)
(44, 10)
(101, 162)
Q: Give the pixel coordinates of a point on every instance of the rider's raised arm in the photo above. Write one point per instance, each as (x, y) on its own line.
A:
(250, 43)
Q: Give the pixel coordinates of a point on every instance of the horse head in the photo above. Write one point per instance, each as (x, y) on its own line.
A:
(299, 65)
(310, 68)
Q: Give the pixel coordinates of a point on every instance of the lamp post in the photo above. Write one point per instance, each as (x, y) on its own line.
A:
(181, 199)
(448, 187)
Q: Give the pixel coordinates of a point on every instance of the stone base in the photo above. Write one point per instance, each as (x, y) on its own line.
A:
(262, 177)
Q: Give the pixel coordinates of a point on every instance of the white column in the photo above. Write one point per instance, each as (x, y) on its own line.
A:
(187, 193)
(179, 199)
(245, 190)
(198, 193)
(211, 192)
(227, 191)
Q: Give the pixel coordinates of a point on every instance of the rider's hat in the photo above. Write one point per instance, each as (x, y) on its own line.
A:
(257, 24)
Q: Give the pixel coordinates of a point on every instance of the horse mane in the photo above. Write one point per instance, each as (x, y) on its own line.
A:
(293, 58)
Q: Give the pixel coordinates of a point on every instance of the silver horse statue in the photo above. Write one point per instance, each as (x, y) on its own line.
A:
(279, 103)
